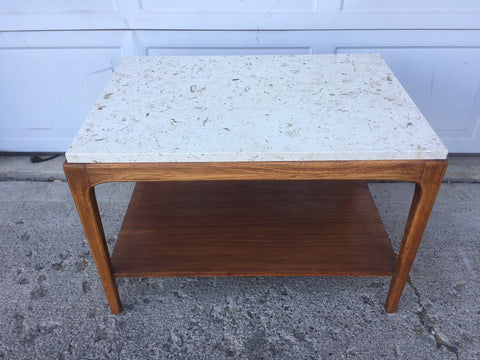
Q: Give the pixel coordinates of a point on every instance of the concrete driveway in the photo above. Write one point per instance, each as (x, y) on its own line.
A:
(53, 305)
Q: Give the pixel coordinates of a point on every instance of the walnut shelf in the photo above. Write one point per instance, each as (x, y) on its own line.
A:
(218, 228)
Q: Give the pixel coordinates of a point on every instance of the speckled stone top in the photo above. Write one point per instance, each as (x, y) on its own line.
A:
(254, 108)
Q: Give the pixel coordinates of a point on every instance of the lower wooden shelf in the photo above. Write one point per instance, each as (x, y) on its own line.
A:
(245, 228)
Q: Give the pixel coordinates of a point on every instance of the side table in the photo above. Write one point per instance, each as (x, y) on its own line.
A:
(254, 165)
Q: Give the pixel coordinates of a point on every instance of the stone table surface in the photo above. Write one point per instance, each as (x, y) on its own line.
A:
(254, 108)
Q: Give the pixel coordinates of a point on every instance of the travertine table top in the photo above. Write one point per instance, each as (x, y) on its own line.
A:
(254, 108)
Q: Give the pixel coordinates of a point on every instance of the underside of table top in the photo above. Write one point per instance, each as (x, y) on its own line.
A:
(254, 109)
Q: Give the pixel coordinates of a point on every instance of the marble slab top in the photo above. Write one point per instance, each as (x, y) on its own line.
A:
(254, 108)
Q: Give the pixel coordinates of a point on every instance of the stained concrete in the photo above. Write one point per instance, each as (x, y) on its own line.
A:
(54, 306)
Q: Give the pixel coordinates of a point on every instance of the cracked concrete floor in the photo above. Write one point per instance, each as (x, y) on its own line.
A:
(54, 306)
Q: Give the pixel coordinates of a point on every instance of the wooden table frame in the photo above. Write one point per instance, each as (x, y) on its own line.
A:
(426, 174)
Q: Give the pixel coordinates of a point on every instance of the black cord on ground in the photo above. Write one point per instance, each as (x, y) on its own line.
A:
(38, 158)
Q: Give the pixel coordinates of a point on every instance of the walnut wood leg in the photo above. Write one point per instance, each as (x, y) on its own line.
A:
(424, 198)
(85, 200)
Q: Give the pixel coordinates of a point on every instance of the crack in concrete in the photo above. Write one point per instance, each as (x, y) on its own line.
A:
(460, 181)
(429, 325)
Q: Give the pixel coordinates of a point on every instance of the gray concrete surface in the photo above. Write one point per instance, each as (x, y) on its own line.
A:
(53, 305)
(19, 167)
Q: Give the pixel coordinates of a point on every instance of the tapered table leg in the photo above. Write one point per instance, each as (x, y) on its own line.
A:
(85, 200)
(423, 199)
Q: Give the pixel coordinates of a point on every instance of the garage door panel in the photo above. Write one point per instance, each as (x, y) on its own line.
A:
(20, 7)
(224, 42)
(409, 6)
(230, 6)
(238, 14)
(49, 83)
(51, 79)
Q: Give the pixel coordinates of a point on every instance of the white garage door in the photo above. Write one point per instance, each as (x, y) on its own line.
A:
(55, 56)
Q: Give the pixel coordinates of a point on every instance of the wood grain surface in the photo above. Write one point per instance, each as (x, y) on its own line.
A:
(201, 228)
